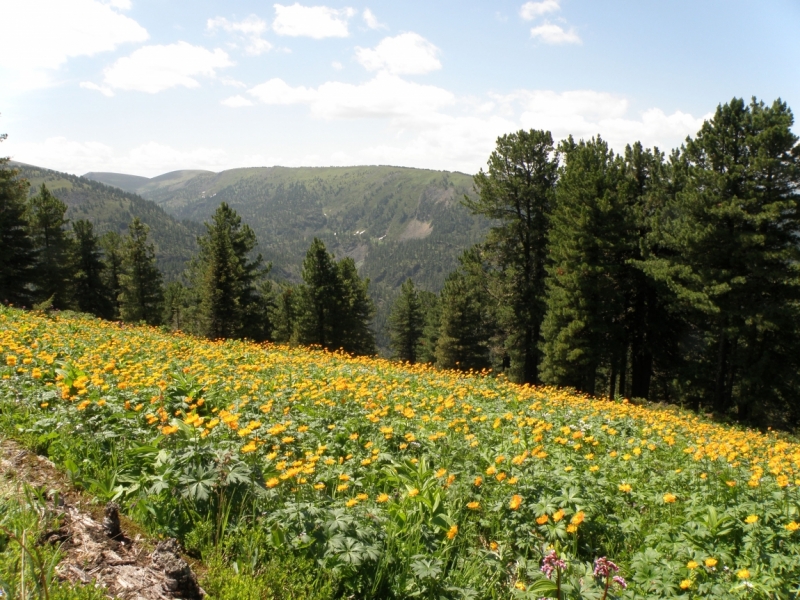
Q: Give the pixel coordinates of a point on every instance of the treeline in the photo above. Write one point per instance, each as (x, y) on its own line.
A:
(668, 278)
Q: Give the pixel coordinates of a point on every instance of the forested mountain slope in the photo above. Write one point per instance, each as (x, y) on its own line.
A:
(111, 209)
(395, 222)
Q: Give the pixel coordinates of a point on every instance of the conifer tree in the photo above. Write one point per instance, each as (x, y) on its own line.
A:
(466, 322)
(585, 300)
(54, 249)
(113, 250)
(517, 190)
(355, 310)
(176, 305)
(734, 256)
(17, 258)
(319, 298)
(141, 291)
(227, 279)
(91, 294)
(431, 324)
(333, 306)
(406, 323)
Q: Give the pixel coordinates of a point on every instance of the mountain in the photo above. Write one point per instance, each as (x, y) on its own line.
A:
(395, 222)
(128, 183)
(112, 209)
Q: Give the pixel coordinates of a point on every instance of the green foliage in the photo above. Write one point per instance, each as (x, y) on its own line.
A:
(332, 309)
(17, 259)
(54, 248)
(406, 323)
(467, 321)
(518, 192)
(91, 294)
(226, 280)
(141, 293)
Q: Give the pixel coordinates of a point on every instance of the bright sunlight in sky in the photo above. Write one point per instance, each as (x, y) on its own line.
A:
(149, 86)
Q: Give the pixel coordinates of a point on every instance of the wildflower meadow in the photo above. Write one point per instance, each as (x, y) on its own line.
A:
(398, 481)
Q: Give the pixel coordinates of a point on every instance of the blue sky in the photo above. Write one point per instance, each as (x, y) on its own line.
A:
(149, 86)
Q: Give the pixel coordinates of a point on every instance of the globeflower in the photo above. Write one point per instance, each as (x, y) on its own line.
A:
(516, 502)
(625, 488)
(452, 532)
(670, 498)
(751, 519)
(743, 574)
(711, 562)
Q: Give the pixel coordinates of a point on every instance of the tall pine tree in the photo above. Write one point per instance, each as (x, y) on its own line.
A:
(406, 323)
(91, 294)
(142, 294)
(17, 258)
(54, 249)
(518, 191)
(227, 278)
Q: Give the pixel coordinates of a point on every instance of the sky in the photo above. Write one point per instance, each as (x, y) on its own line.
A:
(150, 86)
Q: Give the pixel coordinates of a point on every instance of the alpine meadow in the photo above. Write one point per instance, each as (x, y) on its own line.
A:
(407, 301)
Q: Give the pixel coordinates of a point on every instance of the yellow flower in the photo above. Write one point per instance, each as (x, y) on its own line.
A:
(793, 526)
(342, 487)
(711, 562)
(558, 515)
(686, 584)
(382, 498)
(491, 470)
(516, 502)
(542, 520)
(493, 546)
(743, 574)
(692, 564)
(351, 503)
(625, 488)
(412, 493)
(251, 447)
(730, 483)
(441, 473)
(362, 497)
(319, 486)
(578, 518)
(751, 519)
(478, 481)
(670, 498)
(452, 532)
(474, 505)
(520, 586)
(572, 528)
(273, 482)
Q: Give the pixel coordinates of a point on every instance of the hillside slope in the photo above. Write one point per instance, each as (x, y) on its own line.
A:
(395, 222)
(111, 209)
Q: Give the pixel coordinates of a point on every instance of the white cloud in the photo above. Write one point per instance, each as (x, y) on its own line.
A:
(337, 65)
(236, 102)
(550, 33)
(119, 4)
(88, 85)
(148, 159)
(153, 69)
(371, 21)
(530, 10)
(407, 53)
(311, 21)
(384, 96)
(250, 29)
(41, 35)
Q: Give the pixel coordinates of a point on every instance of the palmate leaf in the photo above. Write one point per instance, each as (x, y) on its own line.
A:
(198, 483)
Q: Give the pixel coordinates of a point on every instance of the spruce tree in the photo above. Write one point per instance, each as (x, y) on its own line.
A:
(319, 298)
(226, 278)
(466, 322)
(17, 258)
(333, 309)
(91, 294)
(141, 291)
(431, 309)
(112, 245)
(518, 190)
(406, 323)
(585, 301)
(355, 311)
(54, 249)
(734, 257)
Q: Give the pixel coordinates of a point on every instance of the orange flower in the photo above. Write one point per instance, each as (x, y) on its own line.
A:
(516, 502)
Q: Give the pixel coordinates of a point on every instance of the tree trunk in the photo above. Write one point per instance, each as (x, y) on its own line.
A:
(720, 394)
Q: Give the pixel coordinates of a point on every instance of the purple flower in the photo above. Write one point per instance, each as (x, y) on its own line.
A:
(603, 567)
(621, 581)
(551, 562)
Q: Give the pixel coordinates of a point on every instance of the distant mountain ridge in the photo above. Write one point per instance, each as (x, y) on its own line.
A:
(112, 209)
(395, 222)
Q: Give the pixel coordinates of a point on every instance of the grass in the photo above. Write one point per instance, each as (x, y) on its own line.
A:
(364, 478)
